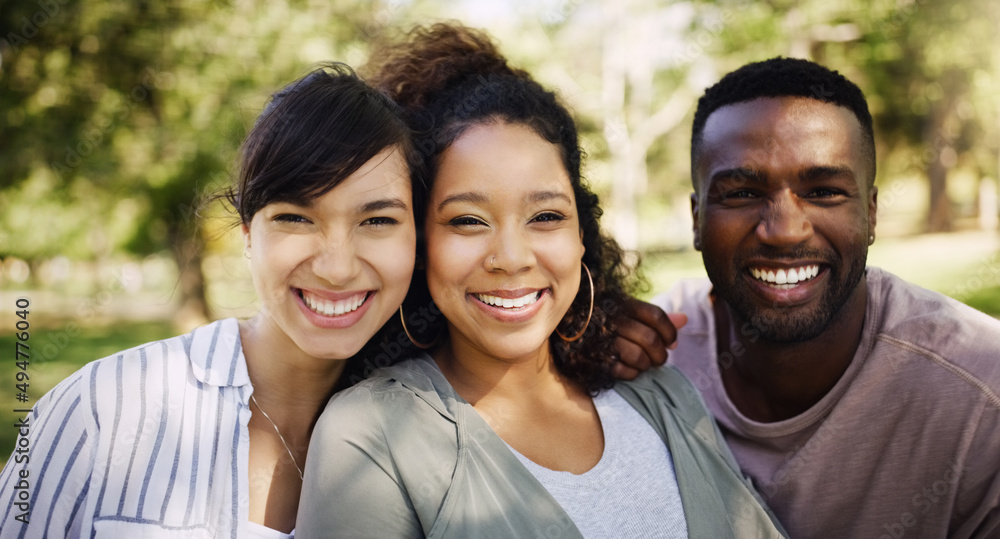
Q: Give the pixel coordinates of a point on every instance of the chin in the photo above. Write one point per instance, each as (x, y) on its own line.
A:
(333, 350)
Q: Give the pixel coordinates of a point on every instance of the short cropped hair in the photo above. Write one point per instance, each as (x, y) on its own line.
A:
(783, 77)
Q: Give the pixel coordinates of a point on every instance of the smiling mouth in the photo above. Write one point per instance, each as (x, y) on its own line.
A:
(327, 307)
(787, 277)
(511, 304)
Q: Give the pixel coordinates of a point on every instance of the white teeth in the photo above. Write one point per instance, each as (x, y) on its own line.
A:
(334, 308)
(508, 303)
(785, 277)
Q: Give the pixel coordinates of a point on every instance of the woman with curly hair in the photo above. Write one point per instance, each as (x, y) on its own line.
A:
(512, 424)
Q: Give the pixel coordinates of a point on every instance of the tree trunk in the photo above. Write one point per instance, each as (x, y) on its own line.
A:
(188, 249)
(939, 158)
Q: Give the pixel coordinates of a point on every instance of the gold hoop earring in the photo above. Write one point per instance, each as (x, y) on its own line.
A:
(419, 345)
(589, 313)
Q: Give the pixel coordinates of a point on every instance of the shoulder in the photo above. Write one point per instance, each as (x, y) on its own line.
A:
(396, 418)
(667, 389)
(138, 373)
(945, 332)
(410, 392)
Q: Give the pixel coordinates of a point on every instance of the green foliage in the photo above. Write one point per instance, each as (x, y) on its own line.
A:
(118, 116)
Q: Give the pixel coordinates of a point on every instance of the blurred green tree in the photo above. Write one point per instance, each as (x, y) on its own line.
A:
(116, 119)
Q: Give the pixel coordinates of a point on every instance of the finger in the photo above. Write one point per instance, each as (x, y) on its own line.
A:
(678, 320)
(642, 343)
(623, 372)
(631, 355)
(654, 317)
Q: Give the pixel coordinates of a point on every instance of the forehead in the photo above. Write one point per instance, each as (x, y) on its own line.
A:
(783, 132)
(384, 175)
(502, 156)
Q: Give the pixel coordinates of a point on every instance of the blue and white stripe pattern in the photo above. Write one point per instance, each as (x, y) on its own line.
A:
(149, 442)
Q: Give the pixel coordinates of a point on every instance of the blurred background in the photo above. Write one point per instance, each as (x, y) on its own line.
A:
(117, 119)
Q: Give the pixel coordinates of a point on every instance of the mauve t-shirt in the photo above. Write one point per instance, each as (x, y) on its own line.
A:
(906, 444)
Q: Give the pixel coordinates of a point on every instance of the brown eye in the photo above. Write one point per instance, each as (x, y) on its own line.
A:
(290, 218)
(380, 221)
(466, 220)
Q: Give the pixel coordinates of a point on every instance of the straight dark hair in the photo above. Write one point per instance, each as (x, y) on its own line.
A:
(313, 134)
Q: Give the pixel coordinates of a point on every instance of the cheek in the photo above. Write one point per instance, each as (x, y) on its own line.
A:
(452, 260)
(722, 228)
(562, 255)
(271, 262)
(393, 259)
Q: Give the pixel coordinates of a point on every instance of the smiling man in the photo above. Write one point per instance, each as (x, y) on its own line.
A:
(859, 404)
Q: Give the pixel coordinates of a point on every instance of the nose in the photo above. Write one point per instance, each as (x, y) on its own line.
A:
(511, 251)
(336, 262)
(785, 222)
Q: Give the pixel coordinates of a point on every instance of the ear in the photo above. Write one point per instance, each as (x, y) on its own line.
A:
(872, 213)
(694, 218)
(245, 230)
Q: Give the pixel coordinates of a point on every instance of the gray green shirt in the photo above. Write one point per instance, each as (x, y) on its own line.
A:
(402, 455)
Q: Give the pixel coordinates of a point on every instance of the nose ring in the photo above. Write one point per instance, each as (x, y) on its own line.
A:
(492, 266)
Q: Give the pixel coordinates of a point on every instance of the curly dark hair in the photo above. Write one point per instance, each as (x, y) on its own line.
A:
(783, 77)
(447, 78)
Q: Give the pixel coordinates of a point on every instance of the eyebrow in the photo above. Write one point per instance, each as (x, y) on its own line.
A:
(825, 172)
(543, 196)
(739, 173)
(475, 197)
(748, 174)
(382, 204)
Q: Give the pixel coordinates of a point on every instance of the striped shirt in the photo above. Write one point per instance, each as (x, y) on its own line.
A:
(150, 442)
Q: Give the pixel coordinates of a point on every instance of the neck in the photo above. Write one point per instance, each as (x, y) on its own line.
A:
(481, 378)
(292, 386)
(770, 381)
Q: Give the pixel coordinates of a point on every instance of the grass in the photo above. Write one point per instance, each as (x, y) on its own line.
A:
(987, 300)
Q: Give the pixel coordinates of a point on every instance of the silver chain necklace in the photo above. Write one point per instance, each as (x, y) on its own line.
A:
(280, 437)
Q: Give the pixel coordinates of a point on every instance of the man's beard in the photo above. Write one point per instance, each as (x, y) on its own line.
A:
(793, 324)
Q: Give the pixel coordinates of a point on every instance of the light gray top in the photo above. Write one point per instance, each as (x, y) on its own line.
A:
(635, 470)
(402, 455)
(906, 444)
